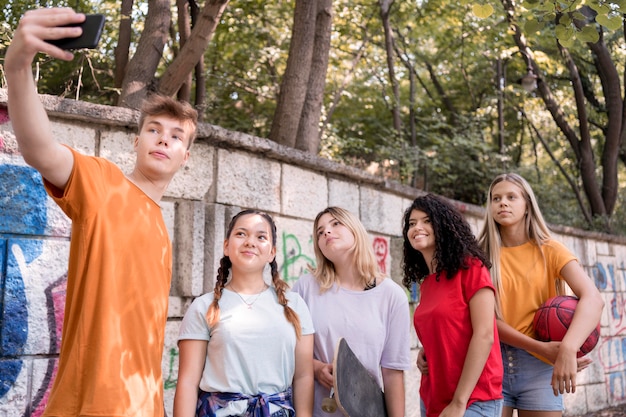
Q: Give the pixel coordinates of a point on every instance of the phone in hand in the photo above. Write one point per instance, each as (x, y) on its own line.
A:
(92, 29)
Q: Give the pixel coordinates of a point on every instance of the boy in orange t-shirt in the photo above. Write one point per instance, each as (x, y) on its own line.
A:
(120, 254)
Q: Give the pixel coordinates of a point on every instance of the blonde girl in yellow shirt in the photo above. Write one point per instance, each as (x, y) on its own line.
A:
(528, 267)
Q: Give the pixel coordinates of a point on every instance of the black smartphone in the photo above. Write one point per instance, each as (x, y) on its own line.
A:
(92, 29)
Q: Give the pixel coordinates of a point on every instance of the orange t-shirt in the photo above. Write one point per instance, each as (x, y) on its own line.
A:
(118, 284)
(529, 279)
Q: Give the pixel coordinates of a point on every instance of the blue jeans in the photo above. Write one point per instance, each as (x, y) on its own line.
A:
(491, 408)
(526, 383)
(281, 413)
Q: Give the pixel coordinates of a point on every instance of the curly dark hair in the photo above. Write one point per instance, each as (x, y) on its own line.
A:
(455, 243)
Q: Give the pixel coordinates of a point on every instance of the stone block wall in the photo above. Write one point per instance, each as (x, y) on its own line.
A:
(227, 171)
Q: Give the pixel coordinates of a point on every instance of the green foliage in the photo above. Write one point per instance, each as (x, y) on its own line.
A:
(451, 48)
(575, 20)
(89, 74)
(555, 200)
(459, 165)
(244, 63)
(617, 222)
(482, 10)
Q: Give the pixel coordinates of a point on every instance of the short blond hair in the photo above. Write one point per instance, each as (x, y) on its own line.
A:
(159, 105)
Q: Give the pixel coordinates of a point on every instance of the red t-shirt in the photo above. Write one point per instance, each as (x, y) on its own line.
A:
(443, 325)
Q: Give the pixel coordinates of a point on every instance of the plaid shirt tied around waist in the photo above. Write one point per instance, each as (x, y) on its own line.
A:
(258, 405)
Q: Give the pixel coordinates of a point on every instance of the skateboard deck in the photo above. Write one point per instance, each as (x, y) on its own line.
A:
(356, 391)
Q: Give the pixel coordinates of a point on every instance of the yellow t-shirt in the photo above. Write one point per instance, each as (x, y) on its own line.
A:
(117, 294)
(529, 279)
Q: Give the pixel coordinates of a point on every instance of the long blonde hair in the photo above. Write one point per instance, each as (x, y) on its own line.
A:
(362, 252)
(534, 224)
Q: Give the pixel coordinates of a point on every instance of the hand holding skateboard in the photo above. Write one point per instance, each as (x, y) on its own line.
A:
(355, 392)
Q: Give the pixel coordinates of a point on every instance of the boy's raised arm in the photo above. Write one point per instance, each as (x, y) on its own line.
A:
(28, 116)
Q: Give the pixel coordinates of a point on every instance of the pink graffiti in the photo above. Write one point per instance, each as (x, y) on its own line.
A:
(617, 327)
(56, 308)
(4, 116)
(381, 250)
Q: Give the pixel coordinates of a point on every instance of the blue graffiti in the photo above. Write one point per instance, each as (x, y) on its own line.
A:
(23, 211)
(600, 276)
(616, 380)
(615, 313)
(615, 357)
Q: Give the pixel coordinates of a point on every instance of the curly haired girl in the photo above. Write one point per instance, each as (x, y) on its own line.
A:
(455, 320)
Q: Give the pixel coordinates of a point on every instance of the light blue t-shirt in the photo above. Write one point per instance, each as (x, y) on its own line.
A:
(251, 350)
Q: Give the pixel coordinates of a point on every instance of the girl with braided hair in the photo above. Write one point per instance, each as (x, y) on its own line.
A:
(246, 349)
(455, 319)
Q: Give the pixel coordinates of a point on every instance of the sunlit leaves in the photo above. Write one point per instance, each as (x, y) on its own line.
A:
(482, 11)
(572, 20)
(450, 47)
(533, 25)
(566, 34)
(588, 34)
(611, 22)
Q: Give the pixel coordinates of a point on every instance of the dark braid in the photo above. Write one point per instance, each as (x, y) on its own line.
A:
(281, 287)
(213, 313)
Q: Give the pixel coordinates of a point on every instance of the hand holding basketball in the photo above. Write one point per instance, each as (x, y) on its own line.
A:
(553, 318)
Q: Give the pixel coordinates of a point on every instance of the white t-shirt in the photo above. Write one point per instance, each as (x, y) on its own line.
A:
(376, 324)
(251, 350)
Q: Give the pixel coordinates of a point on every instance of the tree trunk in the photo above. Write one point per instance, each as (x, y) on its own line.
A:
(293, 88)
(123, 43)
(200, 90)
(611, 87)
(582, 141)
(184, 30)
(308, 136)
(385, 6)
(193, 50)
(143, 65)
(446, 102)
(601, 201)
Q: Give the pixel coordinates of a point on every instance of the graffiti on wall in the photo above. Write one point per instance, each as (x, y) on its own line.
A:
(381, 250)
(28, 280)
(295, 261)
(612, 350)
(33, 292)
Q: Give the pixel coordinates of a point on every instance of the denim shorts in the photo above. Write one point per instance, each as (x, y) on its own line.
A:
(281, 413)
(491, 408)
(526, 383)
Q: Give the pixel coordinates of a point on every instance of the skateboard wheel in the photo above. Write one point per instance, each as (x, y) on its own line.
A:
(329, 405)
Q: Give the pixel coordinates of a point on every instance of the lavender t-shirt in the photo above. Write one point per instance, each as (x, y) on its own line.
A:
(376, 324)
